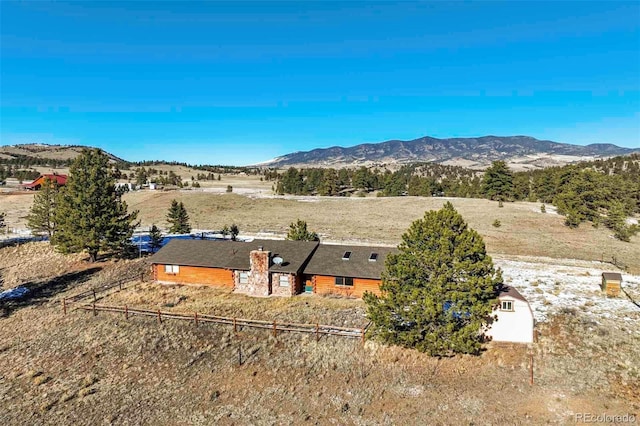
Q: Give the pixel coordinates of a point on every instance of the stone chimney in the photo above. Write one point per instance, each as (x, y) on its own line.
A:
(259, 282)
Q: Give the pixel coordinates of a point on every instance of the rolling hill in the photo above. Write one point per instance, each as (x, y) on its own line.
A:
(45, 151)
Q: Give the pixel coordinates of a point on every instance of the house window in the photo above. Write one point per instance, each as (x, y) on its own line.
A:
(344, 281)
(346, 255)
(284, 281)
(171, 269)
(506, 305)
(373, 257)
(244, 278)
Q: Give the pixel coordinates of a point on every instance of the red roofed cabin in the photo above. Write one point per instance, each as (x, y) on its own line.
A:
(60, 180)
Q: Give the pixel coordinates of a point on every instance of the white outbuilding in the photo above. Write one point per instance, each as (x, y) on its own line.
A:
(514, 321)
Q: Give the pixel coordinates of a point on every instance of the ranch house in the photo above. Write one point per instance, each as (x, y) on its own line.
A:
(257, 268)
(288, 268)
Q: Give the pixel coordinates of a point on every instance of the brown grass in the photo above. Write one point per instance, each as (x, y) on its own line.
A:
(308, 309)
(524, 231)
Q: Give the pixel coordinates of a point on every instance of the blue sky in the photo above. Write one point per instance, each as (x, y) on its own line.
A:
(243, 82)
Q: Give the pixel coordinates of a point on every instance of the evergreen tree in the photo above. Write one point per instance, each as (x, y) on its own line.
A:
(617, 221)
(298, 232)
(178, 218)
(497, 183)
(155, 238)
(292, 182)
(41, 219)
(90, 215)
(329, 184)
(234, 231)
(141, 176)
(439, 291)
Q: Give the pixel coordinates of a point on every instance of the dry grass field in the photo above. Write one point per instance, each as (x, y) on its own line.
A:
(86, 370)
(524, 229)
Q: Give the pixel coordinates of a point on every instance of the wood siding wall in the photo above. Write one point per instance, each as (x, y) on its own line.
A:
(196, 275)
(323, 284)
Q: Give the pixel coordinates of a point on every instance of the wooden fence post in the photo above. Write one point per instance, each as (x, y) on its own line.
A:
(94, 296)
(141, 276)
(275, 330)
(126, 312)
(317, 332)
(120, 285)
(531, 369)
(195, 317)
(362, 335)
(64, 305)
(94, 309)
(159, 317)
(235, 325)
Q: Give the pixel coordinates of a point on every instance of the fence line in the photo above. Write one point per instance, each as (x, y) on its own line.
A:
(196, 318)
(94, 292)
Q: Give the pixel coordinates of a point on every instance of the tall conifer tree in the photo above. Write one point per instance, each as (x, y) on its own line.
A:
(90, 215)
(41, 219)
(178, 218)
(497, 183)
(155, 238)
(439, 291)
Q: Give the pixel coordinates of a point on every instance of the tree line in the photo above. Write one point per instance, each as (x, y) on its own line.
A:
(601, 191)
(416, 179)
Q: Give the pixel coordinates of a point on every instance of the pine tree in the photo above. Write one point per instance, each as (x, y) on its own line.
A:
(90, 215)
(329, 183)
(497, 183)
(617, 221)
(155, 238)
(298, 232)
(41, 219)
(178, 218)
(234, 231)
(439, 291)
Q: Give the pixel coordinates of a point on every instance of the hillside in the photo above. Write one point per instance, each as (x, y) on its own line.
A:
(519, 151)
(45, 151)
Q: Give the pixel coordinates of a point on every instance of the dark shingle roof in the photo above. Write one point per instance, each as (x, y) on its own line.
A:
(613, 276)
(327, 260)
(234, 254)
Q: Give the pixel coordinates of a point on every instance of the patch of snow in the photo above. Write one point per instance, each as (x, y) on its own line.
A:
(551, 288)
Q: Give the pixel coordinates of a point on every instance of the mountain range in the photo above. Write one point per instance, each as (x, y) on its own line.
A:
(520, 151)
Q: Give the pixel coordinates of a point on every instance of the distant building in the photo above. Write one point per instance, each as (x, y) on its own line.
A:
(611, 282)
(127, 186)
(60, 180)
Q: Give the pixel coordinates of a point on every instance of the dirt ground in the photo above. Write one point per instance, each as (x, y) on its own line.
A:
(85, 369)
